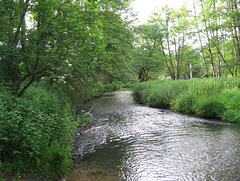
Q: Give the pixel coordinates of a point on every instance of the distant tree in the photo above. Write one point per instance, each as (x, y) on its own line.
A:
(147, 57)
(174, 29)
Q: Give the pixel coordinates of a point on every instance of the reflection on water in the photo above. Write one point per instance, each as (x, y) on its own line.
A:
(133, 142)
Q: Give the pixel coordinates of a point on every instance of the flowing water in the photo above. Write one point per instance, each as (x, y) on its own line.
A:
(133, 142)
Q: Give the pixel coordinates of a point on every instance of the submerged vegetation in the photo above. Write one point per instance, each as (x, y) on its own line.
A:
(210, 97)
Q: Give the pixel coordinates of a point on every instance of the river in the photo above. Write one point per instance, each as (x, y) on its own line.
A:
(133, 142)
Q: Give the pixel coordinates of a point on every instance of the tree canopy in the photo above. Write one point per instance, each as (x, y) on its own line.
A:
(82, 42)
(72, 42)
(207, 41)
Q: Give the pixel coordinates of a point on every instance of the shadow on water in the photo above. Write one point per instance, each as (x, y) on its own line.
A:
(133, 142)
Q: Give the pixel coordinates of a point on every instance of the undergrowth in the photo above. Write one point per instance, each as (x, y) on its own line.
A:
(36, 134)
(37, 129)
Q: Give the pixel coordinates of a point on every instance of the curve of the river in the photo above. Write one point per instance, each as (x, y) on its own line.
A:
(133, 142)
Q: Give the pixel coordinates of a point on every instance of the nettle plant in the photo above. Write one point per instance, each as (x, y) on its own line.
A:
(36, 133)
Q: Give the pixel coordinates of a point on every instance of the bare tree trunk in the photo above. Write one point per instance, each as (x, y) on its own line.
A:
(235, 34)
(25, 6)
(170, 58)
(209, 47)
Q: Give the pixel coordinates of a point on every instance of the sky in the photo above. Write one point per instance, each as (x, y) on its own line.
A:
(146, 7)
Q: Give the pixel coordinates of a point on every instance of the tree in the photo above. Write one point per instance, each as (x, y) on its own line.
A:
(148, 58)
(118, 36)
(173, 27)
(68, 41)
(218, 27)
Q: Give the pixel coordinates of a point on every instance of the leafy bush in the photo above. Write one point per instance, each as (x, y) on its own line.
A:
(111, 87)
(129, 85)
(77, 93)
(108, 87)
(36, 133)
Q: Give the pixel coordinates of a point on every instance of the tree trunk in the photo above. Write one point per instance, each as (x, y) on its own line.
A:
(200, 39)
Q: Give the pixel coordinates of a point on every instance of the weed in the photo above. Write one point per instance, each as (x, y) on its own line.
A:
(30, 127)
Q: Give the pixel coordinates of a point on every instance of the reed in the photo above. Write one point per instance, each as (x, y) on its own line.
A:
(211, 97)
(159, 93)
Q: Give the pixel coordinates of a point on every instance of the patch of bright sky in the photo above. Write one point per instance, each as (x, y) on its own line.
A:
(144, 8)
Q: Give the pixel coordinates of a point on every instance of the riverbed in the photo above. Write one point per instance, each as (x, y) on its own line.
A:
(133, 142)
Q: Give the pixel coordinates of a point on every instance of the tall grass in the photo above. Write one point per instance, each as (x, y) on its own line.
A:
(159, 93)
(210, 97)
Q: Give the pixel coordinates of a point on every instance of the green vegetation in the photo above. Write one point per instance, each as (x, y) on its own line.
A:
(199, 39)
(37, 129)
(56, 54)
(209, 97)
(111, 87)
(36, 133)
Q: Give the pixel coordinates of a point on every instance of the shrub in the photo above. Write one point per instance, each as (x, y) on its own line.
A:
(108, 87)
(113, 86)
(76, 93)
(36, 130)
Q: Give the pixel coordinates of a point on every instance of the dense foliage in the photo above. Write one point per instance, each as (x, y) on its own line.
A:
(209, 97)
(36, 133)
(55, 54)
(71, 44)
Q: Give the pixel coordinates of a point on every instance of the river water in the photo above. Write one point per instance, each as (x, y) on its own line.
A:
(133, 142)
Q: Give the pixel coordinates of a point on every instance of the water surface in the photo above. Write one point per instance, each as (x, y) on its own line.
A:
(133, 142)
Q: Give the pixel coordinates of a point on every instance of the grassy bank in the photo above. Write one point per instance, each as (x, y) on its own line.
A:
(211, 97)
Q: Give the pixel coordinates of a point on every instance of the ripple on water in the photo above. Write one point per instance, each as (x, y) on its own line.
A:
(141, 143)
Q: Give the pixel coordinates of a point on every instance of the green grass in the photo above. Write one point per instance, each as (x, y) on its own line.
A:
(159, 93)
(211, 97)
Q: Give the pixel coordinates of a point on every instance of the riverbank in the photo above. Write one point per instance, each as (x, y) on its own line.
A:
(217, 98)
(38, 129)
(136, 142)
